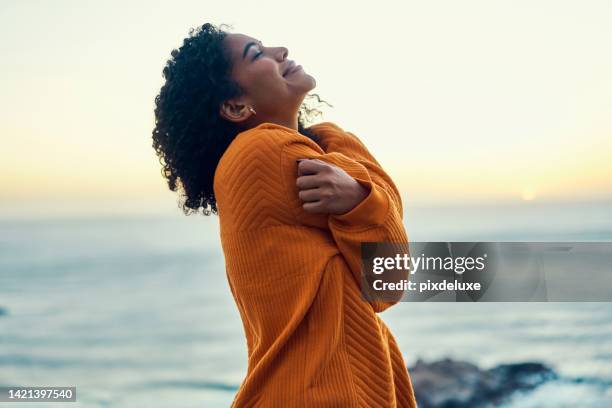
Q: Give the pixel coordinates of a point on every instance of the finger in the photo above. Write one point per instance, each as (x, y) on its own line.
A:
(314, 207)
(306, 182)
(311, 166)
(310, 195)
(303, 168)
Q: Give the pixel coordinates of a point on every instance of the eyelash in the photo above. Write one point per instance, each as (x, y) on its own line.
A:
(259, 53)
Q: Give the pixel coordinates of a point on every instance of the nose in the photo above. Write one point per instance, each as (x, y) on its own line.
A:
(282, 53)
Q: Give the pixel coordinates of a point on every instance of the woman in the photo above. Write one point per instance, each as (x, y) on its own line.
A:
(294, 204)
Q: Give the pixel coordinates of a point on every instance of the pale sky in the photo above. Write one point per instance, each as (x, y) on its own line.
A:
(460, 101)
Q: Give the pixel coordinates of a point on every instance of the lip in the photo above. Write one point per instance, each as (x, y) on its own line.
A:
(291, 68)
(297, 68)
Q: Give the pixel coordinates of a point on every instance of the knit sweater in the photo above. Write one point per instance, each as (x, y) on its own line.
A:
(312, 340)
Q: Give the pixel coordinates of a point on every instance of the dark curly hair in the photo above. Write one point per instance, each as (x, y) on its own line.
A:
(189, 135)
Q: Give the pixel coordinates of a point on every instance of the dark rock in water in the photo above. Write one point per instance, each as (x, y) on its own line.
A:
(458, 384)
(3, 311)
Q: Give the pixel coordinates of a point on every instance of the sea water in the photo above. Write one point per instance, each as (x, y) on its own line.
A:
(136, 311)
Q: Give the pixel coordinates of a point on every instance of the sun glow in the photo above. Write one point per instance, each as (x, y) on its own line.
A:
(528, 194)
(448, 121)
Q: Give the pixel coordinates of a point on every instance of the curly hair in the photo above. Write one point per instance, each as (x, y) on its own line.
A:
(189, 135)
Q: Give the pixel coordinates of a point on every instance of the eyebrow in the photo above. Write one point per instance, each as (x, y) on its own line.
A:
(246, 47)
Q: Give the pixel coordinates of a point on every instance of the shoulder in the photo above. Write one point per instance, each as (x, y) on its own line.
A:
(260, 140)
(335, 138)
(259, 144)
(331, 135)
(256, 151)
(263, 142)
(326, 126)
(249, 183)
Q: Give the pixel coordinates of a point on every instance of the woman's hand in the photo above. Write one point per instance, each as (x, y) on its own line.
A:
(325, 188)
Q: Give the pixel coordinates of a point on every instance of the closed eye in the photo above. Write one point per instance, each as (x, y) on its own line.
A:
(259, 45)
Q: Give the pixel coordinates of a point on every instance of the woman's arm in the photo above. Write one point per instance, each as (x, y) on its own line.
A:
(335, 139)
(375, 219)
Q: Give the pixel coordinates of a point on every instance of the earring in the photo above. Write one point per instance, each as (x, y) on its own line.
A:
(252, 110)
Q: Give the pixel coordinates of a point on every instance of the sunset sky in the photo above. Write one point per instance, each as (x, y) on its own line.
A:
(460, 101)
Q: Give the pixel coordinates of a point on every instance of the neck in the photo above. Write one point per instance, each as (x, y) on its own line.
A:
(291, 123)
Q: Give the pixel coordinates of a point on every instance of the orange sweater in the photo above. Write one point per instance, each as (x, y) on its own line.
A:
(312, 341)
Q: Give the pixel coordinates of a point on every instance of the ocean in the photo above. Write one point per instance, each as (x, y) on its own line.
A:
(136, 310)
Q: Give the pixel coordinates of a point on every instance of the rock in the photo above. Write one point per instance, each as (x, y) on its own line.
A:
(3, 311)
(457, 384)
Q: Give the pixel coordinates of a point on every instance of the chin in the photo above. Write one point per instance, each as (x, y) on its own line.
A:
(304, 86)
(311, 81)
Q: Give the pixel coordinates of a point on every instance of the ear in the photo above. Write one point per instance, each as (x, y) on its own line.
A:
(234, 110)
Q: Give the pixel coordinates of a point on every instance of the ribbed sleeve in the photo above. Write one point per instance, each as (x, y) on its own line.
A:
(311, 340)
(335, 139)
(375, 219)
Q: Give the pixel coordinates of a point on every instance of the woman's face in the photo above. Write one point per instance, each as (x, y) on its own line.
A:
(272, 85)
